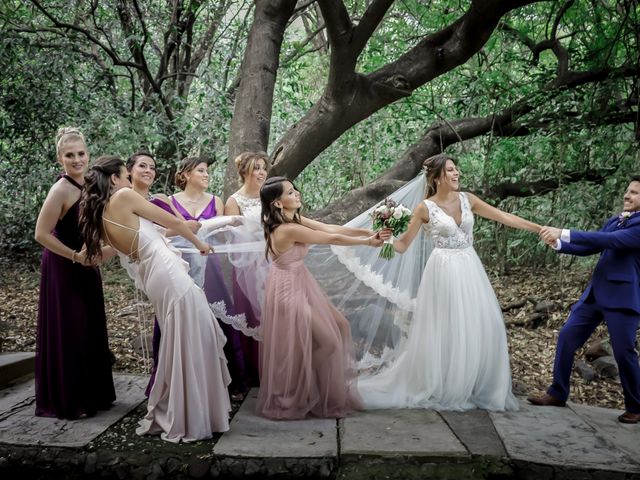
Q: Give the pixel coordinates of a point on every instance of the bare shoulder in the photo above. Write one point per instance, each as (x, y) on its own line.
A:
(125, 195)
(62, 193)
(421, 211)
(162, 197)
(473, 199)
(290, 227)
(231, 202)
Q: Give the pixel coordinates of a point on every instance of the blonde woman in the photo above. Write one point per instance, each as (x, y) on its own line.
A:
(73, 363)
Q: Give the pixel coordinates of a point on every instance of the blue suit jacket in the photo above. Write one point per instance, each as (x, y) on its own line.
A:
(615, 282)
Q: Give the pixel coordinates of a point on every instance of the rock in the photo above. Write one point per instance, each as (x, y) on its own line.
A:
(173, 465)
(199, 468)
(585, 371)
(142, 341)
(598, 348)
(536, 319)
(544, 306)
(606, 366)
(252, 468)
(156, 472)
(90, 464)
(519, 388)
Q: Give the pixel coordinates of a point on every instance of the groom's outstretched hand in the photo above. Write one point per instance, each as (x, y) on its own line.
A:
(550, 235)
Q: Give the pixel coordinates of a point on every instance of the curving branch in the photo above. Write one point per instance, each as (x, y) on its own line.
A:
(505, 124)
(350, 97)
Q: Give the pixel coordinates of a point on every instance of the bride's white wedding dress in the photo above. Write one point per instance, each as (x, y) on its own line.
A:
(455, 356)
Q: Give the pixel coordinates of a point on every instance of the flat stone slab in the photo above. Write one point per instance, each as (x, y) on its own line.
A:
(392, 433)
(14, 365)
(558, 437)
(252, 436)
(19, 425)
(623, 436)
(476, 432)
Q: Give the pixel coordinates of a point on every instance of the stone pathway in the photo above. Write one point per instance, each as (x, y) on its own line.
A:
(19, 426)
(579, 442)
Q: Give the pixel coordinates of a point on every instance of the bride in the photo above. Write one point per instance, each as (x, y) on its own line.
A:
(455, 355)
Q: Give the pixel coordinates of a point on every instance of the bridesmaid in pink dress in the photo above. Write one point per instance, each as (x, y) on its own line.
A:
(307, 365)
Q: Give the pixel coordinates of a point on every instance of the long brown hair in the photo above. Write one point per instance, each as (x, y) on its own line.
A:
(272, 216)
(131, 161)
(96, 194)
(433, 167)
(186, 166)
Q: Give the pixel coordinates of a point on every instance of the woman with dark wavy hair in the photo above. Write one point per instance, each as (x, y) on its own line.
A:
(189, 399)
(306, 362)
(73, 363)
(142, 173)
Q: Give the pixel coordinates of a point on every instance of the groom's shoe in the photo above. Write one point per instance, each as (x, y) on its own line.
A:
(546, 400)
(628, 417)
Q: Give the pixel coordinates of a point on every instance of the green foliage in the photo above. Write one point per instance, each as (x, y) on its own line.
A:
(49, 81)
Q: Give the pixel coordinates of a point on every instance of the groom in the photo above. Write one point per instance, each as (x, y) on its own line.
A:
(612, 296)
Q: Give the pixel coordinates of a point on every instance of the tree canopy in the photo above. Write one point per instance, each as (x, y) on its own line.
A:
(537, 99)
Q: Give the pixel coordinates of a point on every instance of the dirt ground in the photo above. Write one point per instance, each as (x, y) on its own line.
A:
(532, 349)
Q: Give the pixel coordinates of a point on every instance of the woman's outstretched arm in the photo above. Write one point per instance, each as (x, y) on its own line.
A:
(492, 213)
(419, 216)
(330, 228)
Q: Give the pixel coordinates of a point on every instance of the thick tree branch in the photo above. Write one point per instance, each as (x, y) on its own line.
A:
(438, 137)
(351, 97)
(369, 22)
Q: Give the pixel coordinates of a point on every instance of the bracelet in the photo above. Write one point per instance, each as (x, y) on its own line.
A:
(73, 256)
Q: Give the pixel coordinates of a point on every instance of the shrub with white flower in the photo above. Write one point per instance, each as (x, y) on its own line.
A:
(393, 216)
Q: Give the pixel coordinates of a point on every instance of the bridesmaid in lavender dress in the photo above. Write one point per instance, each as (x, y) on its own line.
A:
(142, 173)
(307, 365)
(194, 203)
(248, 281)
(73, 363)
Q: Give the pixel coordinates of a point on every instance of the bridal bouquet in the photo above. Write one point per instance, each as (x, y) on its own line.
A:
(393, 216)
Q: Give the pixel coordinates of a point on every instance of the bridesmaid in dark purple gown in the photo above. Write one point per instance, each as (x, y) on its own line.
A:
(142, 172)
(73, 362)
(194, 203)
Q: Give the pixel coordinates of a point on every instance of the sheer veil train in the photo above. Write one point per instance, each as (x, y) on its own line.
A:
(377, 296)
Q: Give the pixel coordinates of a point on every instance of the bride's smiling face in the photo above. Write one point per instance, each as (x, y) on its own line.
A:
(450, 176)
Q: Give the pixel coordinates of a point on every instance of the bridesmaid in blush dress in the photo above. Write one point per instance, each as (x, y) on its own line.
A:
(73, 363)
(307, 365)
(195, 204)
(248, 280)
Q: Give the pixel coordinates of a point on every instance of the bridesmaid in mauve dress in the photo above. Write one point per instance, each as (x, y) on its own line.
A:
(142, 172)
(73, 363)
(307, 366)
(248, 281)
(194, 203)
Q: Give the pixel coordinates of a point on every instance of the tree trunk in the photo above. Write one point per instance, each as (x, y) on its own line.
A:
(251, 121)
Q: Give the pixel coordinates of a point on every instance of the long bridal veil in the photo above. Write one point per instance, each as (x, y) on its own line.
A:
(376, 295)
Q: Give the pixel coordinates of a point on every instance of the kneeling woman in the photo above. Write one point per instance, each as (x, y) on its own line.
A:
(189, 399)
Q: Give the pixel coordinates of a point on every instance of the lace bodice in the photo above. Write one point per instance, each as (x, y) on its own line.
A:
(249, 207)
(446, 233)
